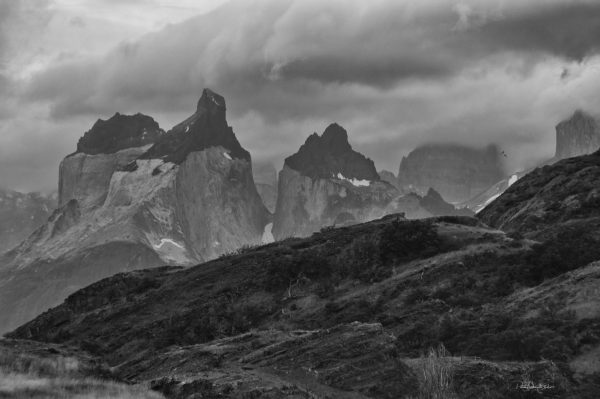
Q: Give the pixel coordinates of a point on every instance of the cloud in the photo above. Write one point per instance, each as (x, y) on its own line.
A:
(260, 49)
(395, 74)
(568, 29)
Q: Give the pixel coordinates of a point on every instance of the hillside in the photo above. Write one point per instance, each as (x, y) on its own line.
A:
(546, 200)
(347, 313)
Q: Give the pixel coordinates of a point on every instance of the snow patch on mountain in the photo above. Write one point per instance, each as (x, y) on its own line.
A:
(164, 241)
(355, 182)
(267, 237)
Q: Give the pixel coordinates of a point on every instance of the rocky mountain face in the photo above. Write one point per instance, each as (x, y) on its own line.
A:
(107, 147)
(265, 179)
(187, 198)
(328, 183)
(349, 313)
(457, 172)
(578, 135)
(21, 214)
(566, 192)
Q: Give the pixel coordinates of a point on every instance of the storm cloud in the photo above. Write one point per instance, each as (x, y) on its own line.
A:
(395, 74)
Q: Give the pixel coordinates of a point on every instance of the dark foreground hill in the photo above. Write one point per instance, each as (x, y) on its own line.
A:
(349, 313)
(551, 199)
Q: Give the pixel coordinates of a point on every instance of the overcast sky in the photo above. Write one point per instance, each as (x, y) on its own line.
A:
(395, 74)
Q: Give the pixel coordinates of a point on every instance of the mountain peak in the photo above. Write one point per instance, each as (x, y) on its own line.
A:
(330, 154)
(211, 103)
(206, 128)
(119, 132)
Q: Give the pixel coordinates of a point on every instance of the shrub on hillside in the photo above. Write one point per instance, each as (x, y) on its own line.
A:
(407, 240)
(572, 248)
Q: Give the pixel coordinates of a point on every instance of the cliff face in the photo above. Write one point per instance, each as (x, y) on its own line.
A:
(578, 135)
(328, 183)
(86, 178)
(458, 173)
(305, 205)
(180, 208)
(108, 146)
(21, 214)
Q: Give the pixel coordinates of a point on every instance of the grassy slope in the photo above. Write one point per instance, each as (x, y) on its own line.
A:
(445, 281)
(34, 370)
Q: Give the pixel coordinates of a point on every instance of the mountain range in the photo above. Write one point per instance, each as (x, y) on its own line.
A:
(361, 270)
(347, 312)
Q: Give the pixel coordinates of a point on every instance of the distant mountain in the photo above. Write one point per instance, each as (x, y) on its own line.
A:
(433, 203)
(21, 214)
(389, 177)
(328, 183)
(265, 179)
(187, 198)
(330, 155)
(578, 135)
(457, 172)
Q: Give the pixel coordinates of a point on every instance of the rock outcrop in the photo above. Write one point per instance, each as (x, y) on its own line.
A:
(579, 135)
(328, 183)
(21, 214)
(457, 172)
(188, 198)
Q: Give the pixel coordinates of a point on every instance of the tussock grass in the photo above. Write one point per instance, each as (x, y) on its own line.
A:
(435, 375)
(27, 376)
